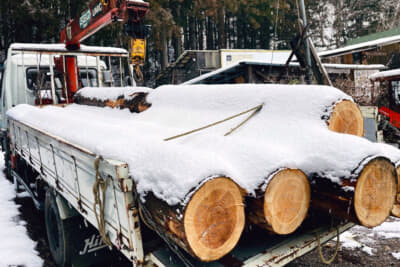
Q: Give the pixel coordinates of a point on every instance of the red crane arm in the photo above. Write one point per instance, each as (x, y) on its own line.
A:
(99, 14)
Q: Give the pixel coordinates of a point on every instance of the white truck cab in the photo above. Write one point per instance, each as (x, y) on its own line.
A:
(30, 75)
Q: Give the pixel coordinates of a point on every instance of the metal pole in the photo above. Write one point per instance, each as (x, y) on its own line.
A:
(307, 48)
(53, 87)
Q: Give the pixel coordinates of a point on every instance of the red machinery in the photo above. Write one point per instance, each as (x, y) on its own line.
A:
(394, 117)
(100, 14)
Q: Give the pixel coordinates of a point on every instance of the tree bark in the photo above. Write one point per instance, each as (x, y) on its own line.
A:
(221, 27)
(136, 102)
(164, 51)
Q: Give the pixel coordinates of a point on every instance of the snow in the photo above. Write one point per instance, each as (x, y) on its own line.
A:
(363, 46)
(287, 133)
(368, 250)
(355, 66)
(16, 248)
(396, 255)
(61, 48)
(232, 56)
(385, 74)
(348, 241)
(388, 229)
(373, 241)
(33, 60)
(110, 93)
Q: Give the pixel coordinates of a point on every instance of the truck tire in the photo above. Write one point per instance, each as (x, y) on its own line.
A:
(72, 242)
(58, 232)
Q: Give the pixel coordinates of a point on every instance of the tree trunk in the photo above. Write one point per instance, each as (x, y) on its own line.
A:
(366, 199)
(346, 118)
(164, 52)
(284, 205)
(208, 226)
(221, 27)
(135, 103)
(209, 30)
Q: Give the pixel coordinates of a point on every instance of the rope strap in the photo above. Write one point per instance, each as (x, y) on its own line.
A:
(325, 261)
(100, 184)
(255, 110)
(138, 73)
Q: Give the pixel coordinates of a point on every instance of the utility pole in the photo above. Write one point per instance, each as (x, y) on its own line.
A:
(307, 47)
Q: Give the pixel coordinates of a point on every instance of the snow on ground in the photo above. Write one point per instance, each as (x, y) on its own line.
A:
(368, 240)
(280, 135)
(396, 255)
(16, 248)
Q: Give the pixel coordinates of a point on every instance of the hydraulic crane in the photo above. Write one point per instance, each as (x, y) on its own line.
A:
(100, 14)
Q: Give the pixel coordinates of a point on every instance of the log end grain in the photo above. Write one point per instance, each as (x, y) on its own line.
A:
(375, 192)
(346, 118)
(286, 201)
(214, 219)
(396, 207)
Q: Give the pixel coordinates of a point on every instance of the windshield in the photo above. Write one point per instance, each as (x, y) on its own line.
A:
(87, 77)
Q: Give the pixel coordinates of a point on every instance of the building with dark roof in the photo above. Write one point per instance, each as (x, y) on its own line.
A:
(378, 48)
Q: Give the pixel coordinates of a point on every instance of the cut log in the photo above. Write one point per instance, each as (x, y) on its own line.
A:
(284, 205)
(135, 102)
(367, 199)
(396, 207)
(346, 118)
(208, 226)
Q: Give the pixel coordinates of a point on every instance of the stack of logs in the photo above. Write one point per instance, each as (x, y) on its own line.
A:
(209, 225)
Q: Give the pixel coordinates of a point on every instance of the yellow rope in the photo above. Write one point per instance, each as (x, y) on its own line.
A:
(255, 109)
(100, 184)
(325, 261)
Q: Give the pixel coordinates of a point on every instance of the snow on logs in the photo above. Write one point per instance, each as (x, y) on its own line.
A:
(366, 199)
(208, 226)
(283, 205)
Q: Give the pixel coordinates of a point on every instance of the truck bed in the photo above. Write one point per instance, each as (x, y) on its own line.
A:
(256, 248)
(69, 169)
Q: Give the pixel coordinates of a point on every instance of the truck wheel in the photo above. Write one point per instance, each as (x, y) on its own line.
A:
(58, 234)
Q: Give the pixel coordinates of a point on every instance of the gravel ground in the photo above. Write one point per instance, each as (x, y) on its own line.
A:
(361, 246)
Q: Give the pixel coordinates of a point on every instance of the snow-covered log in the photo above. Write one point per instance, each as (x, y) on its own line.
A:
(346, 118)
(282, 204)
(133, 99)
(207, 226)
(366, 199)
(396, 207)
(289, 131)
(343, 117)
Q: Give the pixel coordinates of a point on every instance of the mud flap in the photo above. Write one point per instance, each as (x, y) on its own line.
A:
(88, 247)
(74, 242)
